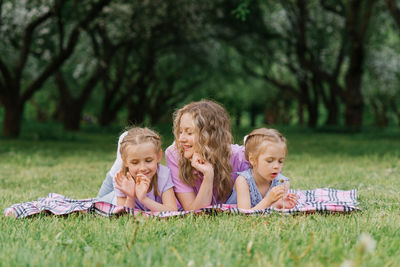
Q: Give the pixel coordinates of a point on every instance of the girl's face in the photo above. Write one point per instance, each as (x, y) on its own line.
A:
(187, 135)
(142, 159)
(270, 162)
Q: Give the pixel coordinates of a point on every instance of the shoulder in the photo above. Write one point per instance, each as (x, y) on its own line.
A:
(164, 178)
(238, 158)
(246, 173)
(171, 151)
(241, 183)
(237, 149)
(163, 172)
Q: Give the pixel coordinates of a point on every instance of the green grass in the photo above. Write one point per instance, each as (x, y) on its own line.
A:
(74, 165)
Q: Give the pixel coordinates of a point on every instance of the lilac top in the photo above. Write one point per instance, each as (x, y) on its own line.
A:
(164, 182)
(237, 160)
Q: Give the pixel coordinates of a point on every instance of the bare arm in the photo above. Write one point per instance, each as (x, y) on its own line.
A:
(274, 195)
(168, 202)
(243, 193)
(191, 201)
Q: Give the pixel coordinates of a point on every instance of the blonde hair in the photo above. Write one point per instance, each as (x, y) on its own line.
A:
(212, 125)
(253, 142)
(138, 136)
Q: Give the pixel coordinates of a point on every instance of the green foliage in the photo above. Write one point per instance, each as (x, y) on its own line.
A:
(75, 165)
(243, 53)
(242, 11)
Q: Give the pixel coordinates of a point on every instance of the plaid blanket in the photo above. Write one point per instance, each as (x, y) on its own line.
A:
(318, 200)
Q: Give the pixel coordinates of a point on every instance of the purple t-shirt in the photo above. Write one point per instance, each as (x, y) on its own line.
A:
(164, 182)
(172, 156)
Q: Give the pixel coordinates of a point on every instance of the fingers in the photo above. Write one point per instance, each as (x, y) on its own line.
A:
(291, 200)
(292, 197)
(118, 187)
(197, 160)
(139, 178)
(142, 179)
(146, 181)
(292, 204)
(130, 177)
(119, 178)
(277, 195)
(279, 189)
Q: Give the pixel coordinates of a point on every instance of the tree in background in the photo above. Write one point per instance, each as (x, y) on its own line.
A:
(26, 27)
(294, 61)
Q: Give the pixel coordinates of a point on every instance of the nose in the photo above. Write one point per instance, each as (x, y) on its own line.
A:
(142, 167)
(182, 138)
(276, 165)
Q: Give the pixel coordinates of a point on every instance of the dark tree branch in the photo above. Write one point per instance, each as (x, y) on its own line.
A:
(58, 10)
(337, 8)
(27, 43)
(394, 10)
(62, 85)
(6, 75)
(284, 86)
(366, 17)
(65, 53)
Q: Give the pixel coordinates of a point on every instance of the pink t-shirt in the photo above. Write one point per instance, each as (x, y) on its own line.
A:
(172, 156)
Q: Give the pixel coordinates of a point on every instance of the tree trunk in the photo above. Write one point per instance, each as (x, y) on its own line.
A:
(71, 117)
(312, 109)
(12, 120)
(357, 24)
(300, 112)
(380, 114)
(354, 102)
(333, 111)
(238, 117)
(107, 115)
(14, 112)
(253, 116)
(136, 113)
(270, 116)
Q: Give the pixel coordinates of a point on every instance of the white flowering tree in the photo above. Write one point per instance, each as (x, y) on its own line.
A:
(35, 43)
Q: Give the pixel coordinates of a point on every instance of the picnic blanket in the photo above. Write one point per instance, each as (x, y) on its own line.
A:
(317, 200)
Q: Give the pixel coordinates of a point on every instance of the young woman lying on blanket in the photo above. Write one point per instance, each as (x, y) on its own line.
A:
(202, 160)
(142, 182)
(262, 185)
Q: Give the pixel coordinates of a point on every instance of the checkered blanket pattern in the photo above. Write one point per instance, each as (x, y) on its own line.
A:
(317, 200)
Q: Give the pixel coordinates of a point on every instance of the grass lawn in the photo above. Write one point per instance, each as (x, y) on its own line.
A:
(75, 165)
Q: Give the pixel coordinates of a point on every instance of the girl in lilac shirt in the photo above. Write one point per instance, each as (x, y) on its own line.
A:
(142, 182)
(202, 160)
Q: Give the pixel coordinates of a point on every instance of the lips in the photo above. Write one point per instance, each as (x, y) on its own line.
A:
(274, 175)
(144, 173)
(186, 147)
